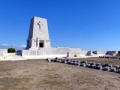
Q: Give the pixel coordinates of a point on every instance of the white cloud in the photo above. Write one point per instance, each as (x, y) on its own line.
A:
(18, 47)
(4, 44)
(23, 45)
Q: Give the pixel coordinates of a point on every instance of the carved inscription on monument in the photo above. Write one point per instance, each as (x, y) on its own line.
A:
(40, 25)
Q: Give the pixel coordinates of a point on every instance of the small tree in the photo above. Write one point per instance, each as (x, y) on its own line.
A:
(11, 50)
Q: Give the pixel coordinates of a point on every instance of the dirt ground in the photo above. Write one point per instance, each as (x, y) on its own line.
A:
(103, 60)
(42, 75)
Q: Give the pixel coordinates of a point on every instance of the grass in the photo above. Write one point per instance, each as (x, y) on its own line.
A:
(102, 60)
(53, 80)
(41, 75)
(83, 80)
(12, 83)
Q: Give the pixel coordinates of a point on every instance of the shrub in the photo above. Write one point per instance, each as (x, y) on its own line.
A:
(11, 50)
(75, 55)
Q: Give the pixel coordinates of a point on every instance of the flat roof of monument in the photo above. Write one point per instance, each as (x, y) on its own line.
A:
(39, 17)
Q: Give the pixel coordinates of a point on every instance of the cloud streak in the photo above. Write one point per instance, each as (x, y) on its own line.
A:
(17, 47)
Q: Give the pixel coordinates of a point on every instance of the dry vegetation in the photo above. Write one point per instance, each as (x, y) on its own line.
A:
(42, 75)
(103, 60)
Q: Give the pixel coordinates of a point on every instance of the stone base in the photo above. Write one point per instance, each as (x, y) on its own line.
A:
(53, 52)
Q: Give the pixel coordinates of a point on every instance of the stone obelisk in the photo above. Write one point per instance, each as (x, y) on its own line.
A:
(38, 34)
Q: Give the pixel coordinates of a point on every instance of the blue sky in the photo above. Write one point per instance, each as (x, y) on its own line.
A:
(86, 24)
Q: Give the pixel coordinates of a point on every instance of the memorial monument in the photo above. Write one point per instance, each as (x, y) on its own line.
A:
(38, 42)
(38, 34)
(39, 45)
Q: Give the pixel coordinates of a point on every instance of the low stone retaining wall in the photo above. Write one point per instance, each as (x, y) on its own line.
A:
(53, 52)
(3, 52)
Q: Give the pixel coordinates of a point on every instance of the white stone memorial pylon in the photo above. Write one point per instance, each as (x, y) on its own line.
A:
(38, 34)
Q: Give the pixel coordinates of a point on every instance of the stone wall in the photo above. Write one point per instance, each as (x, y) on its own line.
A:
(85, 53)
(52, 52)
(3, 52)
(100, 53)
(113, 53)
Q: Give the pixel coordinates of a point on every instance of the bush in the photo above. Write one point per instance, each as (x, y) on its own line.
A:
(11, 50)
(75, 55)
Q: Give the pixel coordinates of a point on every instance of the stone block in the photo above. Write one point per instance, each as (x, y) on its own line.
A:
(106, 68)
(100, 67)
(113, 69)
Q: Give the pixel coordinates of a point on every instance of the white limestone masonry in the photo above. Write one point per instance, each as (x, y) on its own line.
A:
(38, 34)
(3, 52)
(52, 52)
